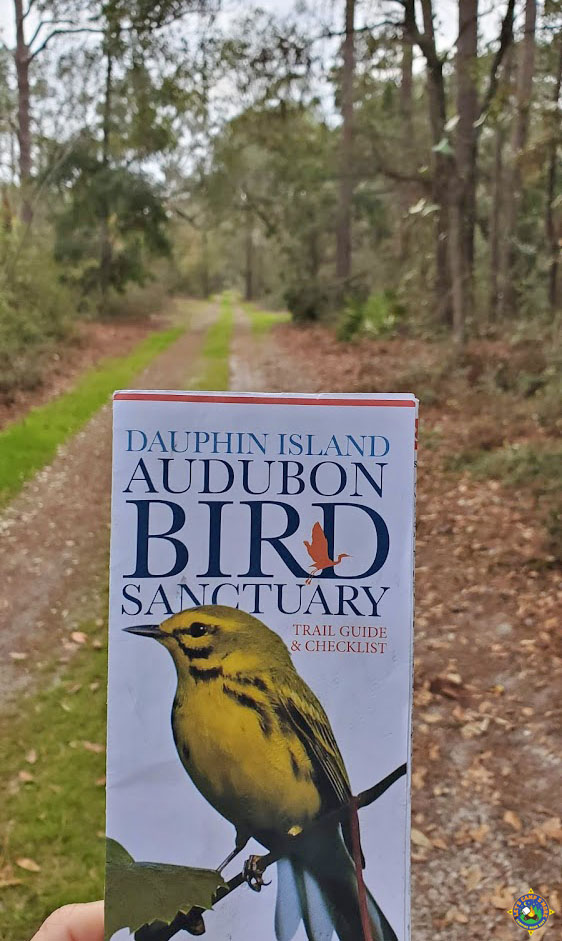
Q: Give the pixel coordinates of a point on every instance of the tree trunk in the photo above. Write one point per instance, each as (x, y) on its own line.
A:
(456, 266)
(22, 60)
(498, 201)
(466, 139)
(406, 192)
(205, 275)
(525, 76)
(249, 261)
(550, 224)
(441, 166)
(106, 252)
(495, 220)
(343, 229)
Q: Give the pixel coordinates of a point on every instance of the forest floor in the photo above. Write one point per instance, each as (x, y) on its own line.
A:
(486, 772)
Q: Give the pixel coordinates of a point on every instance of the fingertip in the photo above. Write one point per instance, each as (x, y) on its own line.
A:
(81, 921)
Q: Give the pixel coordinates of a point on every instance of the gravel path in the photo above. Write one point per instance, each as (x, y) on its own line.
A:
(54, 536)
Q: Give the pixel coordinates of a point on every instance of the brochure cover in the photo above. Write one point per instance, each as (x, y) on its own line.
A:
(260, 669)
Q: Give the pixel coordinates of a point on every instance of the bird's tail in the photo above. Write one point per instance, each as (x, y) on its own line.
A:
(321, 888)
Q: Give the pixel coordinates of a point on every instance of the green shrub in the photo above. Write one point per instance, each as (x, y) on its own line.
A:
(36, 310)
(307, 302)
(379, 315)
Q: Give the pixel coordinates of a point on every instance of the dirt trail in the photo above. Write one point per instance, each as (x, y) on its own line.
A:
(486, 813)
(54, 535)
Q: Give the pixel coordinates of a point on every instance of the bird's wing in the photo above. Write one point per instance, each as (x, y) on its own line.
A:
(318, 547)
(298, 706)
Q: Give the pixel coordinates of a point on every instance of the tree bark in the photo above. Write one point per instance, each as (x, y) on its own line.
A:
(205, 274)
(552, 236)
(441, 162)
(524, 90)
(466, 139)
(406, 191)
(498, 201)
(22, 60)
(249, 259)
(495, 217)
(343, 229)
(106, 252)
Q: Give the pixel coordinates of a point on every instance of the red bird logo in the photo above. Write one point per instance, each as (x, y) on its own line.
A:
(317, 549)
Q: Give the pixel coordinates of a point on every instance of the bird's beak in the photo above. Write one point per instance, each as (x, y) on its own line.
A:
(145, 630)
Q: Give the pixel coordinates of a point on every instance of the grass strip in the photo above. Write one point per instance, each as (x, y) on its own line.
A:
(261, 321)
(30, 444)
(51, 777)
(216, 349)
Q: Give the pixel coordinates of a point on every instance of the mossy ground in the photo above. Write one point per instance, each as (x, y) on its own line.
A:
(215, 353)
(262, 321)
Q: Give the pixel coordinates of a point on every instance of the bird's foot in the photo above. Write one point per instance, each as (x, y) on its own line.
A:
(194, 923)
(253, 873)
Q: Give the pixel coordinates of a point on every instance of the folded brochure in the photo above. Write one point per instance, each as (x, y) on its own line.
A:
(260, 668)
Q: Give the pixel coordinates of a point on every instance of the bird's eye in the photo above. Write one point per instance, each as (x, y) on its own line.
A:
(197, 629)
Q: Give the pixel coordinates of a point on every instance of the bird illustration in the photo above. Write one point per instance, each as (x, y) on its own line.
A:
(258, 745)
(318, 552)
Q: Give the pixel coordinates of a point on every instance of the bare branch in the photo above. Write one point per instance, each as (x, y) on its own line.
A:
(62, 32)
(42, 25)
(506, 39)
(336, 33)
(30, 6)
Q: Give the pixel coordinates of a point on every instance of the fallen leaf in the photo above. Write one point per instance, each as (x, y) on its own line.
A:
(439, 843)
(93, 747)
(448, 685)
(420, 839)
(79, 637)
(552, 828)
(25, 776)
(513, 820)
(18, 655)
(479, 834)
(432, 717)
(502, 898)
(24, 862)
(418, 778)
(31, 756)
(101, 781)
(472, 878)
